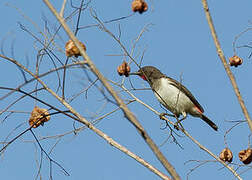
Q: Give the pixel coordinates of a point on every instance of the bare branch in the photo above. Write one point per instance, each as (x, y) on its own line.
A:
(81, 119)
(224, 62)
(128, 114)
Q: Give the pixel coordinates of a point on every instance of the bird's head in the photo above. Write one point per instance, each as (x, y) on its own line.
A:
(148, 73)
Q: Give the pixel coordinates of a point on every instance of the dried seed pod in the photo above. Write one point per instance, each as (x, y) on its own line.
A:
(139, 6)
(38, 117)
(235, 61)
(123, 69)
(226, 155)
(72, 50)
(246, 156)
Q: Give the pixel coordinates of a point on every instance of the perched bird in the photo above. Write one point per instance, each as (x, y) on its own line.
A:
(173, 95)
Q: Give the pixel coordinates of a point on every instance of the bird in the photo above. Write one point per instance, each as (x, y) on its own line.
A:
(173, 95)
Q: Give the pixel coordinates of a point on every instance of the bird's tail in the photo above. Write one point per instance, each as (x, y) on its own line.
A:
(209, 122)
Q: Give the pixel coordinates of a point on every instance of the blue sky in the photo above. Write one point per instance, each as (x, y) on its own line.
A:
(178, 42)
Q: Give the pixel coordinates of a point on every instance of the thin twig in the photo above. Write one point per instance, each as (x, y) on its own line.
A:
(63, 8)
(39, 76)
(238, 36)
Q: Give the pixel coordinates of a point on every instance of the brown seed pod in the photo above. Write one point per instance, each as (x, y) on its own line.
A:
(72, 50)
(139, 6)
(246, 156)
(235, 61)
(226, 155)
(38, 117)
(123, 69)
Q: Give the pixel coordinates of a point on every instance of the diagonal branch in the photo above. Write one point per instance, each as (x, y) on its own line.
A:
(82, 120)
(186, 133)
(128, 114)
(224, 62)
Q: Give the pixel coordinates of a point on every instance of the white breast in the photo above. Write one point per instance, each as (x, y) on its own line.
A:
(172, 98)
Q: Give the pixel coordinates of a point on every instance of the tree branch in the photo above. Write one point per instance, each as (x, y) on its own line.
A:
(82, 120)
(224, 62)
(128, 114)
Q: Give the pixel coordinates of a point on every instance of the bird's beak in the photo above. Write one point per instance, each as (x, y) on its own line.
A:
(135, 73)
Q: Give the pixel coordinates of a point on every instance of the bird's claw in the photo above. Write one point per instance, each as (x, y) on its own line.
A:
(176, 125)
(162, 116)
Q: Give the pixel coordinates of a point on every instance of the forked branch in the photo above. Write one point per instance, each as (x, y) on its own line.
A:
(128, 114)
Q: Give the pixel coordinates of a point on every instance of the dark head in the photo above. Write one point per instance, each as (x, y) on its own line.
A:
(148, 73)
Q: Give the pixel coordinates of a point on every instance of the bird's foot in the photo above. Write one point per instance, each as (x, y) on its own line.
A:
(162, 116)
(176, 125)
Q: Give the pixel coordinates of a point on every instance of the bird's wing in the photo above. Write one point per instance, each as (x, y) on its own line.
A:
(187, 92)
